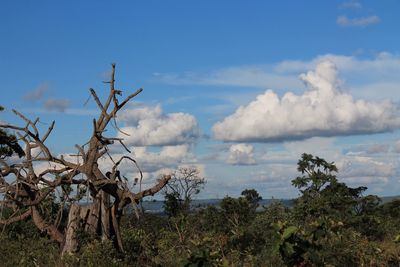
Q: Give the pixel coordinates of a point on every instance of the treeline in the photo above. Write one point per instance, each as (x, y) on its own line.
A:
(330, 224)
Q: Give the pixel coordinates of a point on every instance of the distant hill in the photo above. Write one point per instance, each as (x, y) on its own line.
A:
(156, 206)
(389, 198)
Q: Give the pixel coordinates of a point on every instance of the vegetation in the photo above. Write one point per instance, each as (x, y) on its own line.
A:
(9, 144)
(180, 189)
(43, 224)
(330, 224)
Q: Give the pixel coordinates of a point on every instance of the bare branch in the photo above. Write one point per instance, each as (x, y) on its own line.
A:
(17, 218)
(129, 98)
(98, 102)
(49, 130)
(24, 190)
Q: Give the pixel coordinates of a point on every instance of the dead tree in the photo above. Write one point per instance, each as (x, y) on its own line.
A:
(24, 189)
(185, 182)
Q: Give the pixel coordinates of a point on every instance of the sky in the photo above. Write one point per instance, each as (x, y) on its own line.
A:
(236, 89)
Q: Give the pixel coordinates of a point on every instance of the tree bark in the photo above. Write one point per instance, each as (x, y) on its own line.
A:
(94, 219)
(50, 229)
(105, 216)
(91, 216)
(71, 242)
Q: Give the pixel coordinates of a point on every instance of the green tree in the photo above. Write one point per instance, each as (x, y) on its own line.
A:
(172, 204)
(328, 217)
(316, 174)
(322, 193)
(252, 196)
(9, 144)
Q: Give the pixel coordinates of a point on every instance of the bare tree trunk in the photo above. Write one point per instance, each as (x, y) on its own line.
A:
(91, 215)
(71, 242)
(115, 219)
(93, 219)
(111, 194)
(105, 216)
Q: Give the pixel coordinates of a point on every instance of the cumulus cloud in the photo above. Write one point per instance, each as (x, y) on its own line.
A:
(38, 93)
(323, 110)
(59, 105)
(148, 126)
(383, 63)
(41, 166)
(365, 75)
(241, 154)
(151, 161)
(167, 157)
(357, 22)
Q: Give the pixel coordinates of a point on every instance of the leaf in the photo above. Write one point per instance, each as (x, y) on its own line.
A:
(289, 231)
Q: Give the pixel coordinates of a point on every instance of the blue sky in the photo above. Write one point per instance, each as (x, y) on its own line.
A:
(332, 68)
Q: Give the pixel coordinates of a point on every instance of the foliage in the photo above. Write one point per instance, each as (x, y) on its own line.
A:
(330, 224)
(28, 250)
(9, 144)
(95, 253)
(252, 196)
(172, 204)
(184, 184)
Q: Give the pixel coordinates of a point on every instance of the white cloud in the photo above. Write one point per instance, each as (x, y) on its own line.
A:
(148, 126)
(152, 161)
(168, 156)
(357, 22)
(170, 170)
(366, 75)
(323, 110)
(68, 111)
(372, 165)
(365, 171)
(382, 64)
(41, 166)
(241, 154)
(153, 164)
(247, 76)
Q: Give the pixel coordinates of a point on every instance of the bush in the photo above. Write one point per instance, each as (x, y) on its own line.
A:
(95, 254)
